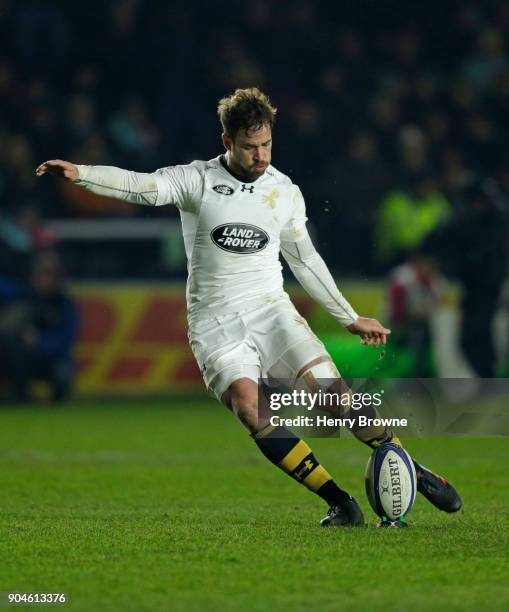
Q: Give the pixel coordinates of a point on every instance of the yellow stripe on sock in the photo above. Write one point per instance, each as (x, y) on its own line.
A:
(318, 477)
(294, 457)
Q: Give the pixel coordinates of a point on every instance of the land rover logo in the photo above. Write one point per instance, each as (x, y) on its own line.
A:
(223, 189)
(239, 238)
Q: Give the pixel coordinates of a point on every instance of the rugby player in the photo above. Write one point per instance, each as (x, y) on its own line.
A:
(238, 214)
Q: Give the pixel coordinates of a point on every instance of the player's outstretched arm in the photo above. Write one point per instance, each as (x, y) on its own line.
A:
(135, 187)
(312, 273)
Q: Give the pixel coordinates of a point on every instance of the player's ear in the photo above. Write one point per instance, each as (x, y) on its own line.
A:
(227, 141)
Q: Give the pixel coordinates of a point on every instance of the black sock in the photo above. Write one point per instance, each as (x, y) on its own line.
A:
(295, 457)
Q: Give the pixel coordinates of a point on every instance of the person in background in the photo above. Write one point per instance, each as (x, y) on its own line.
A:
(21, 234)
(474, 246)
(407, 217)
(38, 327)
(415, 289)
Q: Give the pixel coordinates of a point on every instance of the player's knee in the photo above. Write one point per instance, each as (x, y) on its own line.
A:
(320, 369)
(321, 376)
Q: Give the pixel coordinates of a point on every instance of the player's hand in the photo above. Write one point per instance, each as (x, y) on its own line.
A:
(371, 331)
(59, 167)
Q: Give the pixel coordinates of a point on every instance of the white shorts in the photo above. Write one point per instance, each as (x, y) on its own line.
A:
(271, 340)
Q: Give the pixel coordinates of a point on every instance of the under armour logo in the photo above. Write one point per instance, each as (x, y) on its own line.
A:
(250, 188)
(306, 468)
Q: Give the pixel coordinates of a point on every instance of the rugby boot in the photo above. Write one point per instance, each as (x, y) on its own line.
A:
(437, 490)
(344, 513)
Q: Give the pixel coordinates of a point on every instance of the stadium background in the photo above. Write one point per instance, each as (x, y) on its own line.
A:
(386, 109)
(372, 104)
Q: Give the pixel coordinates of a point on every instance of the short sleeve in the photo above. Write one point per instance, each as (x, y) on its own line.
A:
(295, 228)
(179, 185)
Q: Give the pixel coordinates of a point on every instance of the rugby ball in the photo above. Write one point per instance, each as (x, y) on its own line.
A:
(390, 481)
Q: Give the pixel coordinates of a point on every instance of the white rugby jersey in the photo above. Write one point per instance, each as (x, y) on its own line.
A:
(232, 231)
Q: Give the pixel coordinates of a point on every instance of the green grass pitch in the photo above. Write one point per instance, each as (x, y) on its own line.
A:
(170, 506)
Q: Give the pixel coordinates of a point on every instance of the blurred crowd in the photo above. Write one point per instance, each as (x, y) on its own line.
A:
(389, 112)
(378, 101)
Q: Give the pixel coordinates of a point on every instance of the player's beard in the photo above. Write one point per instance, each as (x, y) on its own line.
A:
(253, 172)
(248, 171)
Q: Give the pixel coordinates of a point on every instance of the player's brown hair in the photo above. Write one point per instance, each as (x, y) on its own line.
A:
(246, 109)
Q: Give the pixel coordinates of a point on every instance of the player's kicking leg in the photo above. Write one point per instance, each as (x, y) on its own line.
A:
(292, 455)
(433, 487)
